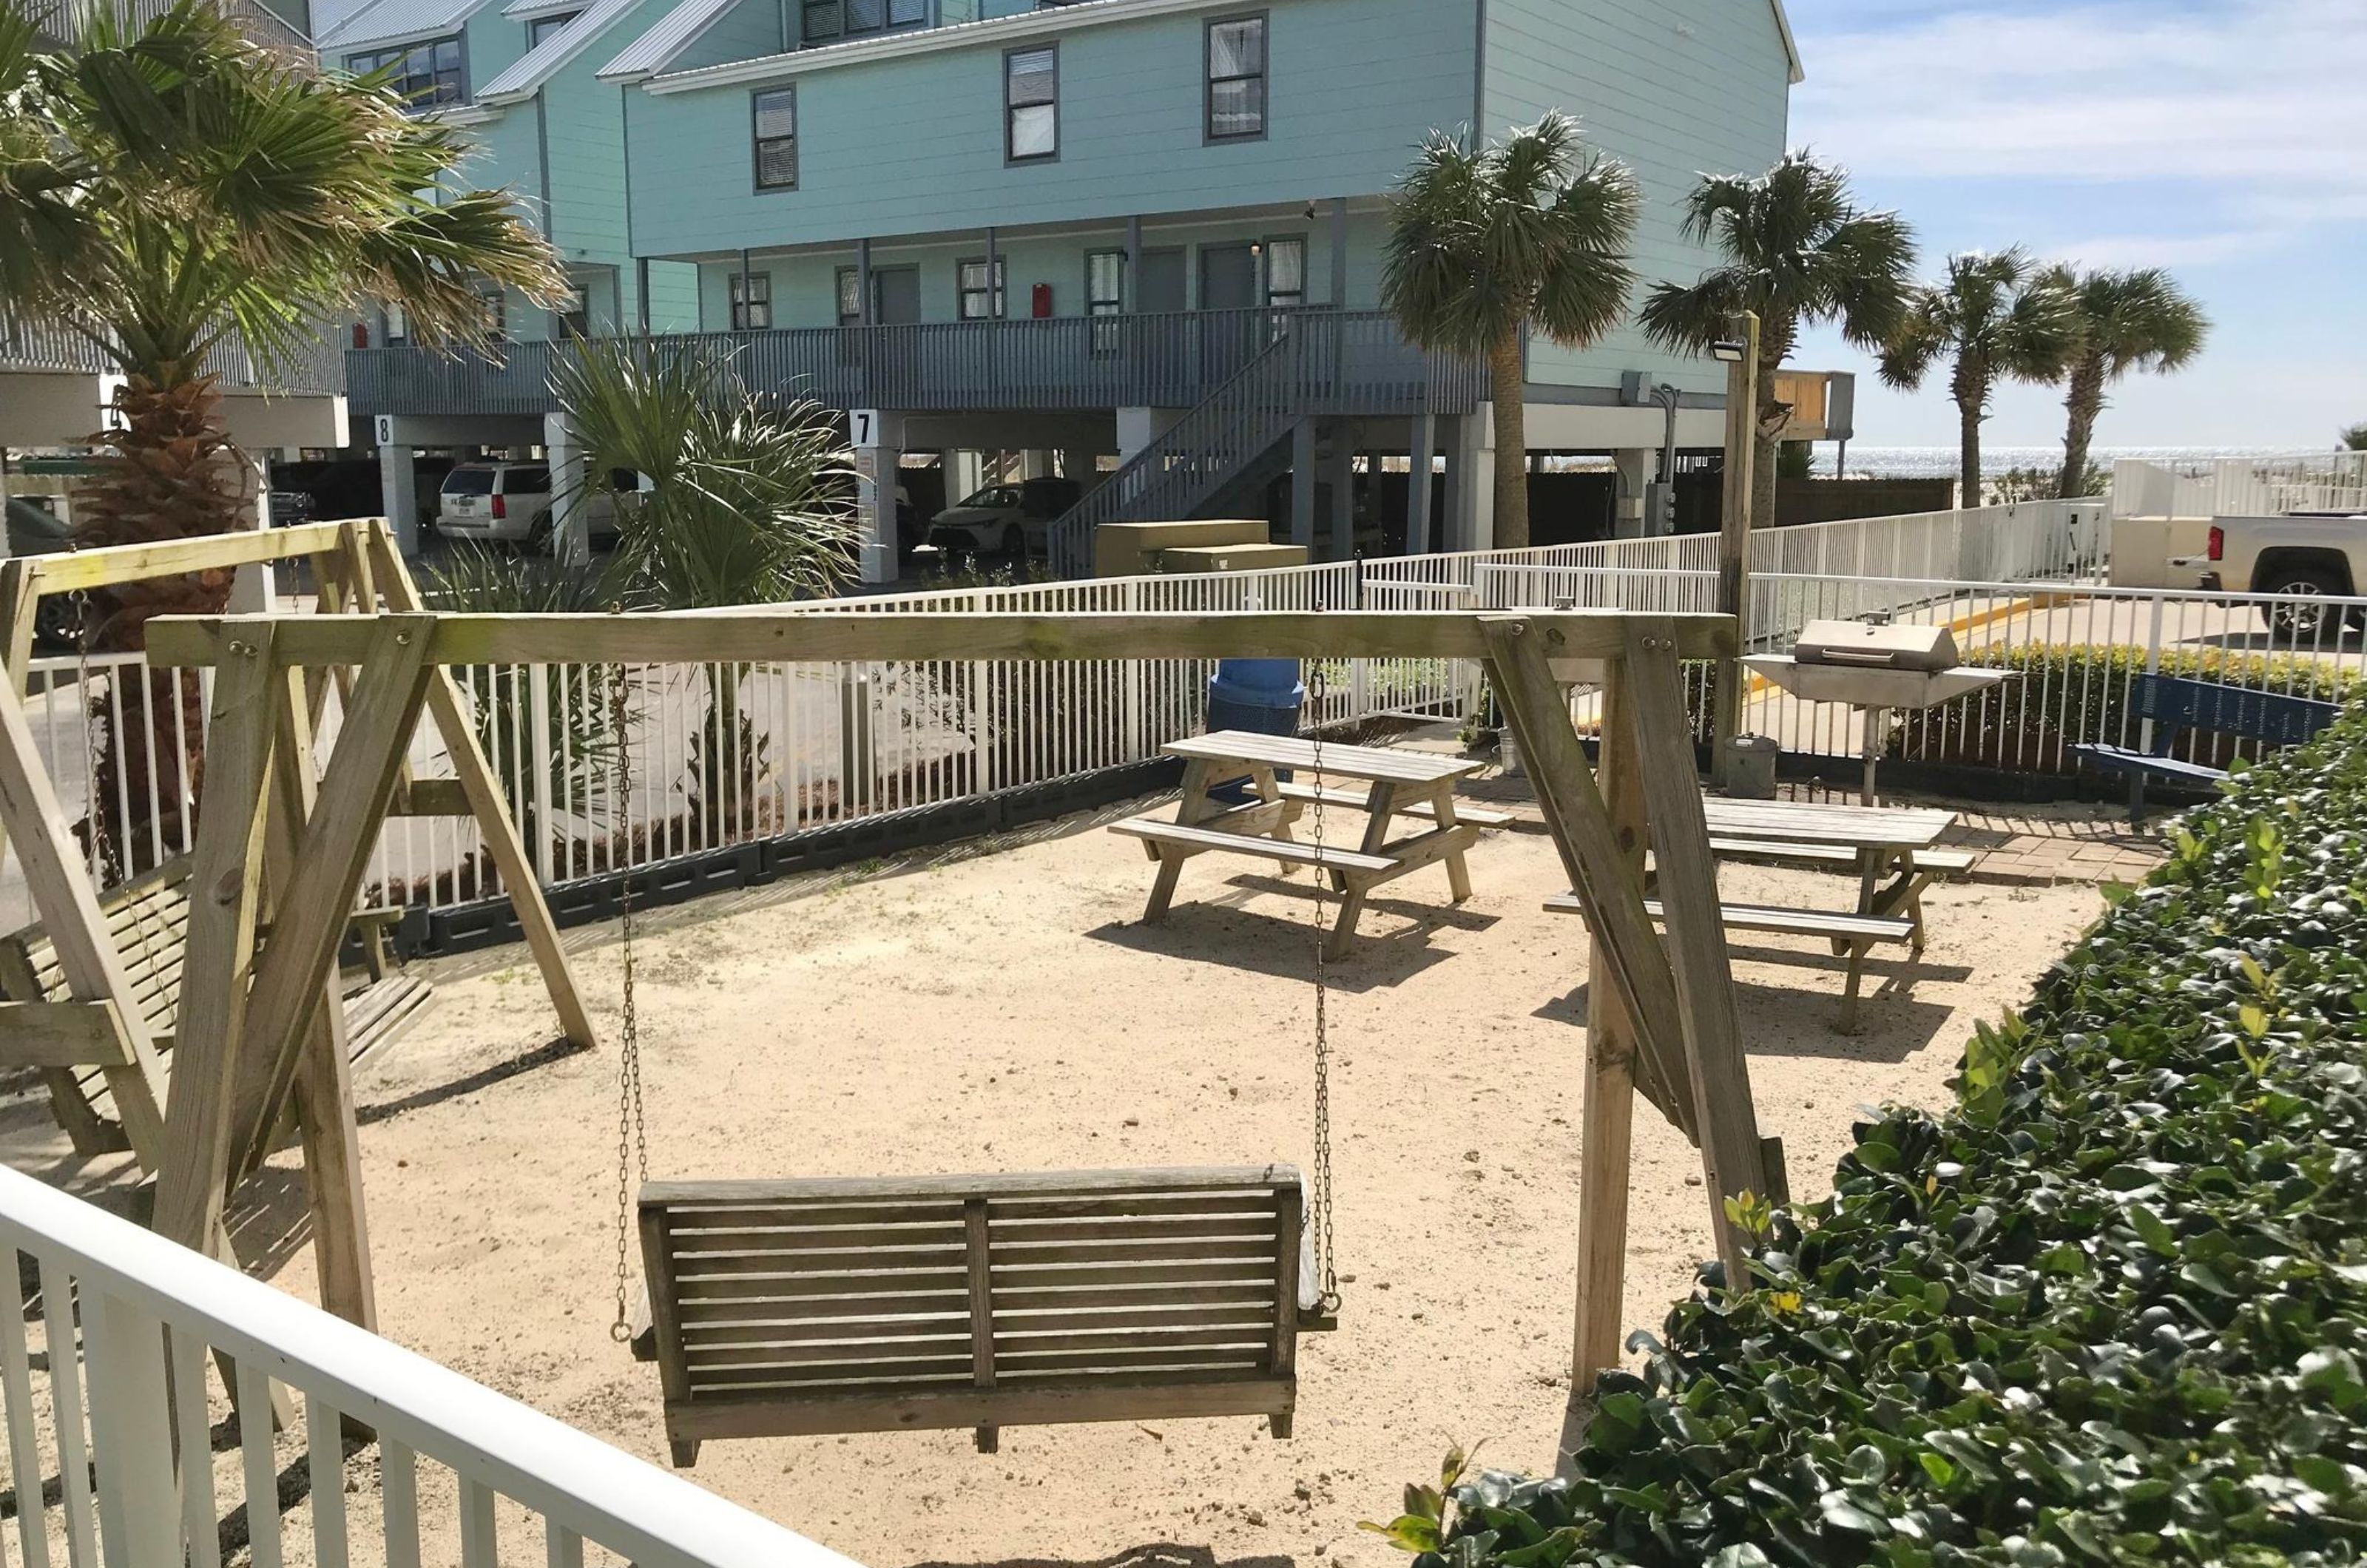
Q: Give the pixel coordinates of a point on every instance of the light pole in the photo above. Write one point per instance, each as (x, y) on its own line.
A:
(1739, 354)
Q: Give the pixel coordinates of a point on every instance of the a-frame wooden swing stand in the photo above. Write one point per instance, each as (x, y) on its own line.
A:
(1663, 1015)
(259, 1038)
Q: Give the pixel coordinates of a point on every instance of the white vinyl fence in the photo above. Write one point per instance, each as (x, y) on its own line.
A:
(106, 1353)
(2240, 487)
(791, 748)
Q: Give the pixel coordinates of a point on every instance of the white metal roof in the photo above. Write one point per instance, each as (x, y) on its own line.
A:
(536, 66)
(674, 31)
(395, 21)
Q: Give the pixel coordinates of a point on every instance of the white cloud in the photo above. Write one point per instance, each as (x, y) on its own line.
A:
(2263, 94)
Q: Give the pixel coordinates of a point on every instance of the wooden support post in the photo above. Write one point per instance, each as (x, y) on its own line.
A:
(450, 709)
(1605, 1145)
(226, 882)
(1520, 656)
(310, 921)
(323, 1082)
(1688, 889)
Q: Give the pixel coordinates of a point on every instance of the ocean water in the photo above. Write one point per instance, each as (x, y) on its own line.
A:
(1940, 462)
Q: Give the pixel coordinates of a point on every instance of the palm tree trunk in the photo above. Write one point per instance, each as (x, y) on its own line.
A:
(161, 476)
(1971, 394)
(1767, 434)
(1509, 383)
(2085, 401)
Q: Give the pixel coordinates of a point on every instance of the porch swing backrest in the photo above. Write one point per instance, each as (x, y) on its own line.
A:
(784, 1308)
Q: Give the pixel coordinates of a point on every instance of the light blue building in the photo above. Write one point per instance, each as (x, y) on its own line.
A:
(1139, 231)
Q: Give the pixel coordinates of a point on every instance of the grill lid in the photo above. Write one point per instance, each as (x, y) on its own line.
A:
(1859, 645)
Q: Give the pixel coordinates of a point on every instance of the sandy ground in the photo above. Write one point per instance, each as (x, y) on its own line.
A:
(1006, 1011)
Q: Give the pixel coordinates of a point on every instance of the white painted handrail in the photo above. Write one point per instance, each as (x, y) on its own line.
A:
(134, 1289)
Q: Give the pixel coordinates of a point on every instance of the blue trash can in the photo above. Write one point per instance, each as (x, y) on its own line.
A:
(1261, 695)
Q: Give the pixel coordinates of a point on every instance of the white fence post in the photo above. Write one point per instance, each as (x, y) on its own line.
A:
(537, 750)
(132, 1435)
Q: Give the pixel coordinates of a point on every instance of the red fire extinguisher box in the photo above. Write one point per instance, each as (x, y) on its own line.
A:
(1043, 301)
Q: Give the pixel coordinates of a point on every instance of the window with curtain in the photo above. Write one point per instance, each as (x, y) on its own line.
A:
(777, 139)
(751, 301)
(981, 298)
(1105, 297)
(424, 75)
(850, 297)
(1285, 274)
(1031, 96)
(1236, 79)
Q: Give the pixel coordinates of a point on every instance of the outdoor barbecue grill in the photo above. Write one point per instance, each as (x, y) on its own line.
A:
(1873, 666)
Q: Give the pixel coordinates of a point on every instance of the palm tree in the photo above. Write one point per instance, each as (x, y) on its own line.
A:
(170, 190)
(2001, 316)
(740, 501)
(2354, 439)
(1485, 241)
(2138, 320)
(1800, 252)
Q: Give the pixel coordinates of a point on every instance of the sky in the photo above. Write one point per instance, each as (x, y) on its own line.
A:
(2224, 139)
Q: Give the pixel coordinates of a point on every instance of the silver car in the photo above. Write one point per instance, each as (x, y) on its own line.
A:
(511, 504)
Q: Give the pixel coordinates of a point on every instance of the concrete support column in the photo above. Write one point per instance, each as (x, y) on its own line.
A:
(251, 589)
(875, 496)
(398, 487)
(570, 522)
(1302, 485)
(1340, 473)
(964, 476)
(1035, 464)
(1138, 427)
(1637, 466)
(1419, 528)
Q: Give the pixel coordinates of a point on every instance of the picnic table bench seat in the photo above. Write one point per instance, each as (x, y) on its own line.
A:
(148, 919)
(2175, 704)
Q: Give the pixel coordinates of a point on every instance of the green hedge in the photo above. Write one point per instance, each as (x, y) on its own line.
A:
(2111, 1308)
(2071, 693)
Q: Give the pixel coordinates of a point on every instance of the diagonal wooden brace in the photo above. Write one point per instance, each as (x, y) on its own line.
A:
(1519, 655)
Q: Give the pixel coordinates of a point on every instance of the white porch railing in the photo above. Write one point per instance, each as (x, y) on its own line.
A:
(2240, 487)
(105, 1379)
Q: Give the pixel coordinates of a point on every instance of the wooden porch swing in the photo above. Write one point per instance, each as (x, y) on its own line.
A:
(727, 1291)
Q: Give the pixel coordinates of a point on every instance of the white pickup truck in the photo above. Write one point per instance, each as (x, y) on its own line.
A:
(2299, 557)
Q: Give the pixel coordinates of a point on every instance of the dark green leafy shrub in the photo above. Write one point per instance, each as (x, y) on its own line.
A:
(2073, 693)
(2111, 1309)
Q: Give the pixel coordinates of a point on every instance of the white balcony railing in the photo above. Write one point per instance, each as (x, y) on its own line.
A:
(105, 1375)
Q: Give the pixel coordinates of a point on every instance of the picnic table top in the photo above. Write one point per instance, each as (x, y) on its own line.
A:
(1380, 764)
(1868, 827)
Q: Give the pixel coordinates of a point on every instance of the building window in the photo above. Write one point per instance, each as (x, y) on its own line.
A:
(751, 301)
(542, 27)
(1236, 79)
(398, 325)
(424, 75)
(980, 302)
(574, 313)
(777, 139)
(497, 314)
(850, 297)
(1104, 283)
(1285, 274)
(828, 21)
(1031, 97)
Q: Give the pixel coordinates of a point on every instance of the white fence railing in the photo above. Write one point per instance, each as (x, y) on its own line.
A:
(104, 1363)
(792, 748)
(2240, 487)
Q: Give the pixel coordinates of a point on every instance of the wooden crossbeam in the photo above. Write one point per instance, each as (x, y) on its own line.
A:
(795, 635)
(67, 570)
(64, 1034)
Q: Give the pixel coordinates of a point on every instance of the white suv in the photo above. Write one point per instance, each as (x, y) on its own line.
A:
(511, 504)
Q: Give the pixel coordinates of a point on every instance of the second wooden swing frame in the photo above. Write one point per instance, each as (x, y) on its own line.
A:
(1662, 1017)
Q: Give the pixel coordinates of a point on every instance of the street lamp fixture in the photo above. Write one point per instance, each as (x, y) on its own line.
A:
(1727, 351)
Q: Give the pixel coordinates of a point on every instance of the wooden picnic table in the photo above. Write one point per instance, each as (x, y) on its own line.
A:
(1876, 843)
(1415, 785)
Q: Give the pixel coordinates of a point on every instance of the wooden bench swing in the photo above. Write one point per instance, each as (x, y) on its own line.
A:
(835, 1305)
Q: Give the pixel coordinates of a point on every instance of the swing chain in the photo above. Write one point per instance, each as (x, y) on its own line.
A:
(1321, 1194)
(632, 1136)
